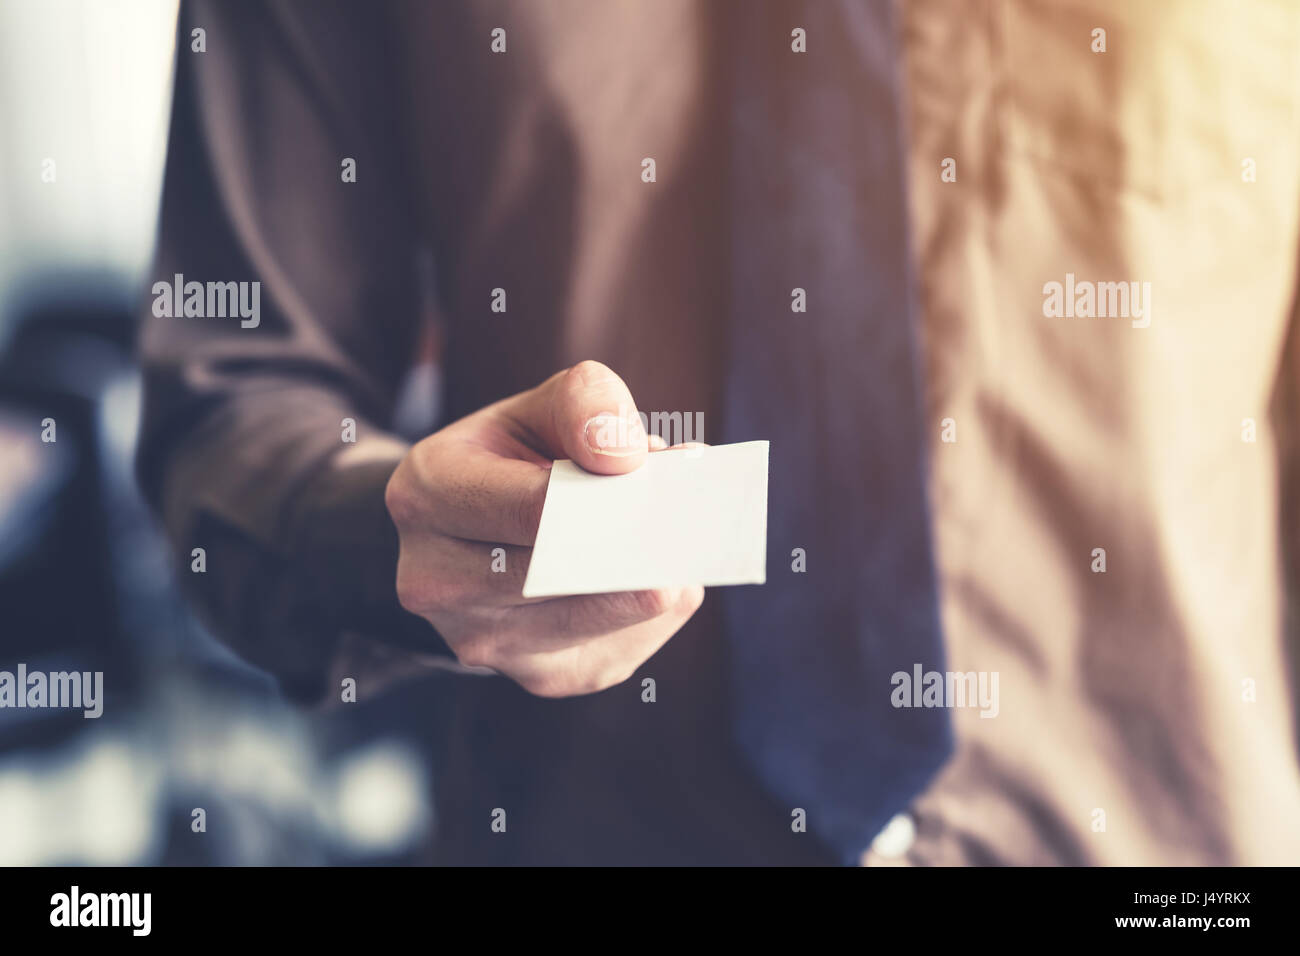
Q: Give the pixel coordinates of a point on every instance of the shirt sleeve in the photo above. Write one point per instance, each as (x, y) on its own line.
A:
(243, 447)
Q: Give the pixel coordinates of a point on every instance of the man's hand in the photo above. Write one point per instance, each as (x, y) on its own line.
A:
(479, 484)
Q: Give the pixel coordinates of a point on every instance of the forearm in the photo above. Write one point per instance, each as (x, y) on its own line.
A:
(243, 448)
(297, 548)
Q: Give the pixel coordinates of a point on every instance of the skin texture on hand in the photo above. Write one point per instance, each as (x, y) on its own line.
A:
(479, 484)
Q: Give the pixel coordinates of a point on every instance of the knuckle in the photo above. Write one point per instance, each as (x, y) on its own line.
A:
(652, 603)
(576, 679)
(615, 675)
(398, 499)
(528, 515)
(419, 593)
(548, 685)
(412, 590)
(558, 678)
(589, 685)
(476, 652)
(447, 595)
(590, 372)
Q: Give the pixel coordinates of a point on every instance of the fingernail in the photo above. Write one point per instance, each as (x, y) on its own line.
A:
(611, 435)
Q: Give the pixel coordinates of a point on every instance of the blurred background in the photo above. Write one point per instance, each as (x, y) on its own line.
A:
(86, 583)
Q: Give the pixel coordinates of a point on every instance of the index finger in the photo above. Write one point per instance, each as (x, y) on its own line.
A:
(481, 496)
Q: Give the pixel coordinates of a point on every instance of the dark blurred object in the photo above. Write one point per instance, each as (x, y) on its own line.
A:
(87, 583)
(56, 572)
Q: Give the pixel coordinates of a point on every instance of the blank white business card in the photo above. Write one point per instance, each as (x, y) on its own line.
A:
(685, 517)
